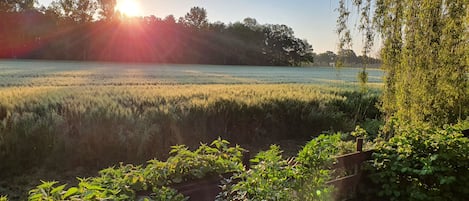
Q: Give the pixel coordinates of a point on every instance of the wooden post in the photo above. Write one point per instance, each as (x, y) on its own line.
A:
(359, 144)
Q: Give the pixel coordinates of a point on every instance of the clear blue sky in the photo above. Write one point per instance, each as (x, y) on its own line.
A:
(313, 20)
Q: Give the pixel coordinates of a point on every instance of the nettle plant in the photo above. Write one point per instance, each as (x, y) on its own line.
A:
(123, 182)
(423, 164)
(272, 177)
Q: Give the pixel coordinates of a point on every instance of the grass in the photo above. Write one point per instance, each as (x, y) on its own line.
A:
(137, 121)
(46, 73)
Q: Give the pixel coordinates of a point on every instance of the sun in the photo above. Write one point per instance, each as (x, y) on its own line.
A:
(129, 8)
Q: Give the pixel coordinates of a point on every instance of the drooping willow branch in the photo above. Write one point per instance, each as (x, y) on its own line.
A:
(365, 27)
(425, 55)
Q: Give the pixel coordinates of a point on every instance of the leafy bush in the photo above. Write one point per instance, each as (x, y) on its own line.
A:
(372, 128)
(124, 182)
(186, 165)
(316, 159)
(274, 178)
(87, 190)
(423, 164)
(317, 153)
(3, 198)
(271, 178)
(463, 124)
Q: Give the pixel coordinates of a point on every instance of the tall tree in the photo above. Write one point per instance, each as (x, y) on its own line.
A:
(424, 54)
(85, 10)
(106, 9)
(170, 19)
(348, 56)
(251, 23)
(196, 17)
(284, 48)
(24, 5)
(69, 29)
(75, 11)
(5, 6)
(326, 58)
(16, 5)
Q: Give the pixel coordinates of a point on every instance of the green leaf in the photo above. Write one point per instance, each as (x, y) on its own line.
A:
(70, 192)
(35, 197)
(47, 185)
(58, 189)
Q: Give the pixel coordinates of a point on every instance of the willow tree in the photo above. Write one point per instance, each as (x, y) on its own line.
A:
(425, 53)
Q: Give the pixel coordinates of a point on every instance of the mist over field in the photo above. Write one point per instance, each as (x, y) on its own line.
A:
(60, 73)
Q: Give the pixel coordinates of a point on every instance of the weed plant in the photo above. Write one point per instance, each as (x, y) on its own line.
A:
(271, 177)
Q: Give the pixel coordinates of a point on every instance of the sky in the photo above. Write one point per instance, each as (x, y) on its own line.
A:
(313, 20)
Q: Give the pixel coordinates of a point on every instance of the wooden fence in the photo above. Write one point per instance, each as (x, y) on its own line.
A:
(351, 166)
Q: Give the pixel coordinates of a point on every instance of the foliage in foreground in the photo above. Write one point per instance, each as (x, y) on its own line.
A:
(271, 177)
(124, 182)
(423, 164)
(418, 164)
(275, 178)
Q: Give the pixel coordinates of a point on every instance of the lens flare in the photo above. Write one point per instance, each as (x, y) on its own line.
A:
(129, 8)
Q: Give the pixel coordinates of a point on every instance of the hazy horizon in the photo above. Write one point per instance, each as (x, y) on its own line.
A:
(314, 21)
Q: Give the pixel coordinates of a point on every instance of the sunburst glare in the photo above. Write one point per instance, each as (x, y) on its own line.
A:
(129, 8)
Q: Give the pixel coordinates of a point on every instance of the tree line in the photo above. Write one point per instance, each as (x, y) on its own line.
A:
(347, 56)
(93, 30)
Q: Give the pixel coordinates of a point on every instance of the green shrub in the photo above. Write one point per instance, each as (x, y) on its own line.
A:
(315, 161)
(87, 190)
(463, 124)
(184, 165)
(123, 182)
(372, 128)
(270, 178)
(423, 164)
(317, 153)
(274, 178)
(3, 198)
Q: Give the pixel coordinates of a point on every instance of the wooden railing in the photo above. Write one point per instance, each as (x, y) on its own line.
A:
(351, 166)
